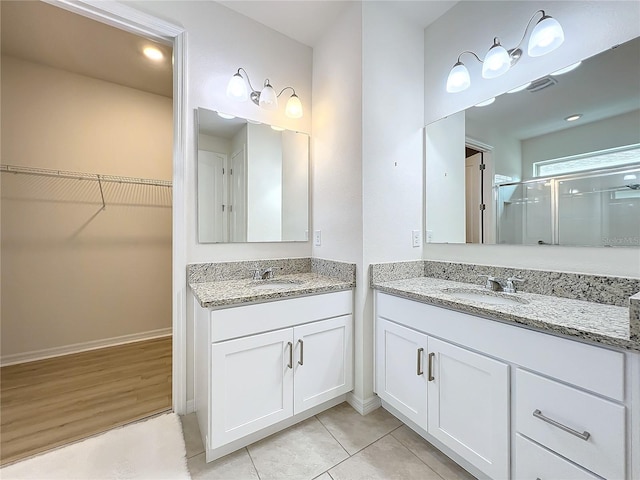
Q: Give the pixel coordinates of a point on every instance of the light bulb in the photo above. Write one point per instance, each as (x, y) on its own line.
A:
(547, 35)
(496, 61)
(268, 97)
(294, 107)
(458, 79)
(237, 88)
(153, 53)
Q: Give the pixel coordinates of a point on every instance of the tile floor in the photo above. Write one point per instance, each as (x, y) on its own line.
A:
(338, 444)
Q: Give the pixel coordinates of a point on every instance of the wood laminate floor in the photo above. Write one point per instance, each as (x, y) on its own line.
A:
(48, 403)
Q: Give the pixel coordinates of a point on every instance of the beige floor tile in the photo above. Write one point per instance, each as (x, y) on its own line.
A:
(438, 461)
(235, 466)
(387, 459)
(303, 452)
(191, 432)
(355, 431)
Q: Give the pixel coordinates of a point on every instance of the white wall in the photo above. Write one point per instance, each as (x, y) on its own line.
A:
(445, 179)
(592, 137)
(264, 184)
(590, 27)
(336, 146)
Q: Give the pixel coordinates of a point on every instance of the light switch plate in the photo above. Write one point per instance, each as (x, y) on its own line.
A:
(317, 238)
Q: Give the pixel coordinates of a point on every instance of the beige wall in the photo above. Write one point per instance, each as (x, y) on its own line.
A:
(71, 272)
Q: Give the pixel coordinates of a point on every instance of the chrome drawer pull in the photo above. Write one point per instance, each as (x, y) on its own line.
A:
(419, 370)
(301, 361)
(290, 364)
(584, 435)
(430, 377)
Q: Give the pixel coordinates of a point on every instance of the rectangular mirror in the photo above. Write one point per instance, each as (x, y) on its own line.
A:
(521, 171)
(253, 181)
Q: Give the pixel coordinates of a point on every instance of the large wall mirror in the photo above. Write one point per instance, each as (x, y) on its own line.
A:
(253, 181)
(524, 170)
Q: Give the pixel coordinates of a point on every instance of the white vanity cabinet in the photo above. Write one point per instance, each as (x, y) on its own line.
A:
(507, 402)
(263, 367)
(457, 396)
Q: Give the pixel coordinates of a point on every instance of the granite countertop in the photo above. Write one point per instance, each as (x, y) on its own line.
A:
(596, 322)
(235, 292)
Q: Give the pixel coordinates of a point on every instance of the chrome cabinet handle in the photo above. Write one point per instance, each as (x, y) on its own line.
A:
(301, 361)
(584, 435)
(290, 364)
(419, 370)
(431, 378)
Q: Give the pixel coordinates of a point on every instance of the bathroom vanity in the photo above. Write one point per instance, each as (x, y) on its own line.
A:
(268, 354)
(505, 384)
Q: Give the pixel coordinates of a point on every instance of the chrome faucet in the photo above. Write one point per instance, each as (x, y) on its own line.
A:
(500, 285)
(263, 273)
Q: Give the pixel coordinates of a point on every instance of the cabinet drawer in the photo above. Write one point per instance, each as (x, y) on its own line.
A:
(246, 320)
(602, 421)
(534, 462)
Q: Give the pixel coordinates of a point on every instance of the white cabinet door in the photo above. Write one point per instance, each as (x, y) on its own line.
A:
(323, 361)
(401, 380)
(469, 406)
(251, 384)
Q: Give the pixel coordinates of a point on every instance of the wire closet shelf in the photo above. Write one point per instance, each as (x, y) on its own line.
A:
(45, 172)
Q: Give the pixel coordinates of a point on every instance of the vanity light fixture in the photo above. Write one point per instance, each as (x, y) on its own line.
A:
(485, 103)
(265, 98)
(574, 117)
(566, 69)
(546, 36)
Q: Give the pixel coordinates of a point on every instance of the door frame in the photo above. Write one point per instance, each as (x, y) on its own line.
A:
(126, 18)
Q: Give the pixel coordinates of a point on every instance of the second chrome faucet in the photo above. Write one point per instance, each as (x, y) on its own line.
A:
(500, 285)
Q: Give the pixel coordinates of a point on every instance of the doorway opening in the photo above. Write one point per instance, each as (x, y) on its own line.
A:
(87, 168)
(479, 203)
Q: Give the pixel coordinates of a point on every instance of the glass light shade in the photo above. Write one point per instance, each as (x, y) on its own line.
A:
(496, 61)
(458, 79)
(237, 88)
(294, 107)
(547, 35)
(268, 97)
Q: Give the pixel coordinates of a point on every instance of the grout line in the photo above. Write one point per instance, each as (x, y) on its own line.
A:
(252, 462)
(415, 455)
(333, 436)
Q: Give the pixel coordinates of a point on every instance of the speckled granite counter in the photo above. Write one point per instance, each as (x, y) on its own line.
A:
(222, 284)
(596, 322)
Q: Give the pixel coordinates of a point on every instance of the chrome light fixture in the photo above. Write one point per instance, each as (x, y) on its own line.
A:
(546, 36)
(265, 98)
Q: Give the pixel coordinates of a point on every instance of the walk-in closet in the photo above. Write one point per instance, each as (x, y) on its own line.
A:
(86, 228)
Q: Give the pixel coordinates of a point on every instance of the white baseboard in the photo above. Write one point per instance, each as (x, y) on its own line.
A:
(82, 347)
(363, 407)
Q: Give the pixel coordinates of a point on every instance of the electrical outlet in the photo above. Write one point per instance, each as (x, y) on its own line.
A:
(416, 238)
(429, 236)
(317, 238)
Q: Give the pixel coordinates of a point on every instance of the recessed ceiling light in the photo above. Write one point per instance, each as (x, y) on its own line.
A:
(486, 102)
(153, 53)
(630, 177)
(277, 129)
(520, 88)
(574, 117)
(226, 116)
(567, 69)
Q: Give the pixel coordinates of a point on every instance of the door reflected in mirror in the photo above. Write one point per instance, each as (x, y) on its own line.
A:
(556, 161)
(253, 181)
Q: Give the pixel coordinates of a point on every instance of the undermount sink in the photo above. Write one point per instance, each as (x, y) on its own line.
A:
(493, 298)
(274, 284)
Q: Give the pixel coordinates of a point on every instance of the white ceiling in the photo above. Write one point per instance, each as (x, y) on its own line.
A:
(307, 20)
(51, 36)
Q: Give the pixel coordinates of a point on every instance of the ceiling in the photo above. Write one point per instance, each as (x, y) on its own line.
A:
(48, 35)
(603, 86)
(308, 20)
